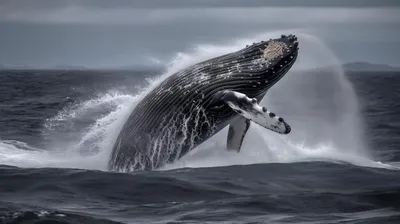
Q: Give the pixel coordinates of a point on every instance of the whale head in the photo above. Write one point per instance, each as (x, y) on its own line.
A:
(264, 63)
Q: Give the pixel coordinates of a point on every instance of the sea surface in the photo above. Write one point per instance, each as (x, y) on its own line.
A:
(340, 163)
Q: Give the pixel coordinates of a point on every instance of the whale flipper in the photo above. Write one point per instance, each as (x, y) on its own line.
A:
(249, 109)
(236, 133)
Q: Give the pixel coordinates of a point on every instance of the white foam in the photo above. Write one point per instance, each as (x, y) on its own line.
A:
(89, 148)
(332, 133)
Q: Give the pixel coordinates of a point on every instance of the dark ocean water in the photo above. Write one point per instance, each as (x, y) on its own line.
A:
(44, 112)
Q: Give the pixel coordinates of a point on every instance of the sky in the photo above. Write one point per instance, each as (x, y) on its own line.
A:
(126, 33)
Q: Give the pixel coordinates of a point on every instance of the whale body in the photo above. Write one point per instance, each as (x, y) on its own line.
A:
(195, 103)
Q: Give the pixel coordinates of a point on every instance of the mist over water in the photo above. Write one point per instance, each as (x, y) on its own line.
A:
(321, 108)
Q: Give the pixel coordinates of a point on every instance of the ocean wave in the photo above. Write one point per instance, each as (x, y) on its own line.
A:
(307, 191)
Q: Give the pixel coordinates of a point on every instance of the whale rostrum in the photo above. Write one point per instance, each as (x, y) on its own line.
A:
(197, 102)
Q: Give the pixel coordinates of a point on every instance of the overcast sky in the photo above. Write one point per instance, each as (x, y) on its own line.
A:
(120, 33)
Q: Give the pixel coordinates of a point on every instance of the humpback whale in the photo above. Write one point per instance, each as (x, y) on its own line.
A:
(193, 104)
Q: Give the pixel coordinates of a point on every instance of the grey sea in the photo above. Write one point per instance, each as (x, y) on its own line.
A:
(339, 164)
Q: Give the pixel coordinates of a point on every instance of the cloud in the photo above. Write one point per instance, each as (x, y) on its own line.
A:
(113, 33)
(75, 14)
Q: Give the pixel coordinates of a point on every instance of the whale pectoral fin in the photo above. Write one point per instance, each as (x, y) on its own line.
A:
(249, 108)
(236, 133)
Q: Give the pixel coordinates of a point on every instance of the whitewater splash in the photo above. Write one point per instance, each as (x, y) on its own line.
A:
(322, 111)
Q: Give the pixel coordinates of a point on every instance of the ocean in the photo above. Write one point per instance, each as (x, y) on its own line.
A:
(340, 163)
